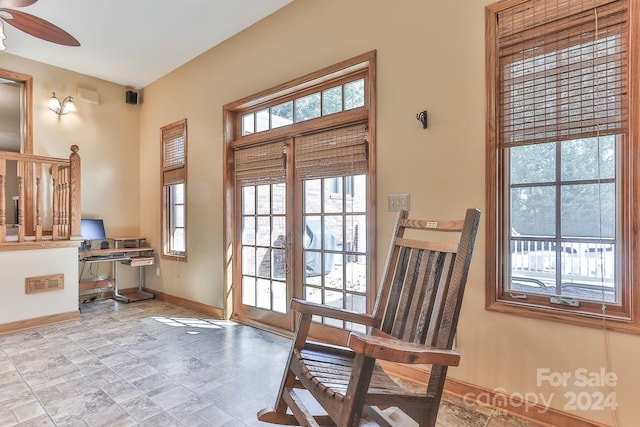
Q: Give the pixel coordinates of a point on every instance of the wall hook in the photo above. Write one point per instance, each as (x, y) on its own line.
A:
(422, 118)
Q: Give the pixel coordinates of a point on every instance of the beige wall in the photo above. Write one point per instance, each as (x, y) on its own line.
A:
(430, 56)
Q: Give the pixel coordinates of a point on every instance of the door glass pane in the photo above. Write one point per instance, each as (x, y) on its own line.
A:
(312, 196)
(313, 295)
(263, 233)
(264, 199)
(248, 200)
(355, 201)
(249, 261)
(279, 199)
(263, 294)
(335, 277)
(333, 233)
(248, 230)
(278, 264)
(279, 290)
(248, 290)
(334, 195)
(263, 259)
(356, 236)
(312, 262)
(278, 231)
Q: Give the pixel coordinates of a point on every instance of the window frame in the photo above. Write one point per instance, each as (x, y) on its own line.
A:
(627, 317)
(168, 220)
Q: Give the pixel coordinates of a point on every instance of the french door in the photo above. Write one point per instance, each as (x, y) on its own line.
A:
(302, 225)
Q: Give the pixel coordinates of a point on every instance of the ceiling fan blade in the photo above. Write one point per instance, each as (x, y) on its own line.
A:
(40, 28)
(17, 3)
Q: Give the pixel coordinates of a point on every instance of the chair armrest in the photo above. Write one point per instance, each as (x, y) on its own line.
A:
(394, 350)
(307, 307)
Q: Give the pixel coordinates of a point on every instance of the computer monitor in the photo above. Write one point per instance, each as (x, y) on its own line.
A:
(92, 229)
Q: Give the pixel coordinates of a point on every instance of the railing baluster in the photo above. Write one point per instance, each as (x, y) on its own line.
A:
(65, 202)
(38, 202)
(55, 201)
(21, 195)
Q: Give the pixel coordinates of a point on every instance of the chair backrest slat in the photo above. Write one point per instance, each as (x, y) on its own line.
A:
(397, 284)
(404, 293)
(415, 304)
(442, 292)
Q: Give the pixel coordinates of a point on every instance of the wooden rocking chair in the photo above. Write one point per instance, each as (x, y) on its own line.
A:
(414, 322)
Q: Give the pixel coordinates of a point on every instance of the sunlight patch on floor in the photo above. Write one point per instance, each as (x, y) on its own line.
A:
(186, 322)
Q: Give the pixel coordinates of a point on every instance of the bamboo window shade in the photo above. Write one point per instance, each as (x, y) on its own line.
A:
(174, 143)
(336, 152)
(261, 164)
(563, 70)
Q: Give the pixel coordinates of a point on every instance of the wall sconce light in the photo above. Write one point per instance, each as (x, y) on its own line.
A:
(61, 108)
(422, 118)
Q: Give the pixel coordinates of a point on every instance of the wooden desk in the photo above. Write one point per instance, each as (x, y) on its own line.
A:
(139, 257)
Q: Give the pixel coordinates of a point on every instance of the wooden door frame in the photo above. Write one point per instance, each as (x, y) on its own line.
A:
(232, 140)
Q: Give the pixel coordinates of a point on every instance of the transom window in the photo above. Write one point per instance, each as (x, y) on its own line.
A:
(329, 101)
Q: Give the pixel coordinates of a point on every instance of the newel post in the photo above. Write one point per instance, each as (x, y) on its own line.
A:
(74, 194)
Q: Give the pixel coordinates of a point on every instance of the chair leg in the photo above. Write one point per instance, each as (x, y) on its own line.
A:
(434, 387)
(279, 415)
(354, 400)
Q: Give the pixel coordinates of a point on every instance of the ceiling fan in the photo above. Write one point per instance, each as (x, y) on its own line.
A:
(32, 25)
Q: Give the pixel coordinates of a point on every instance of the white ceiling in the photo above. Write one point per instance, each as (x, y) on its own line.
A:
(134, 42)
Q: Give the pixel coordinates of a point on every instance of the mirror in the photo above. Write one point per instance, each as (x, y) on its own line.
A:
(15, 131)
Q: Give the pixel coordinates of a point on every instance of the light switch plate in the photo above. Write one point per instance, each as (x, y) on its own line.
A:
(398, 202)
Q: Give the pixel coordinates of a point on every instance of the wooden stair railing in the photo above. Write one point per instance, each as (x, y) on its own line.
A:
(61, 211)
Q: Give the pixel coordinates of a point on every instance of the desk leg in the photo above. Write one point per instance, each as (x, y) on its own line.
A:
(116, 293)
(141, 283)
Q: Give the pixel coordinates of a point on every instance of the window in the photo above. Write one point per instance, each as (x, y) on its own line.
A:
(335, 99)
(299, 168)
(559, 174)
(174, 190)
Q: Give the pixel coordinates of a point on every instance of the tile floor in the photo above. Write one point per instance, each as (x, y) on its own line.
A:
(152, 363)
